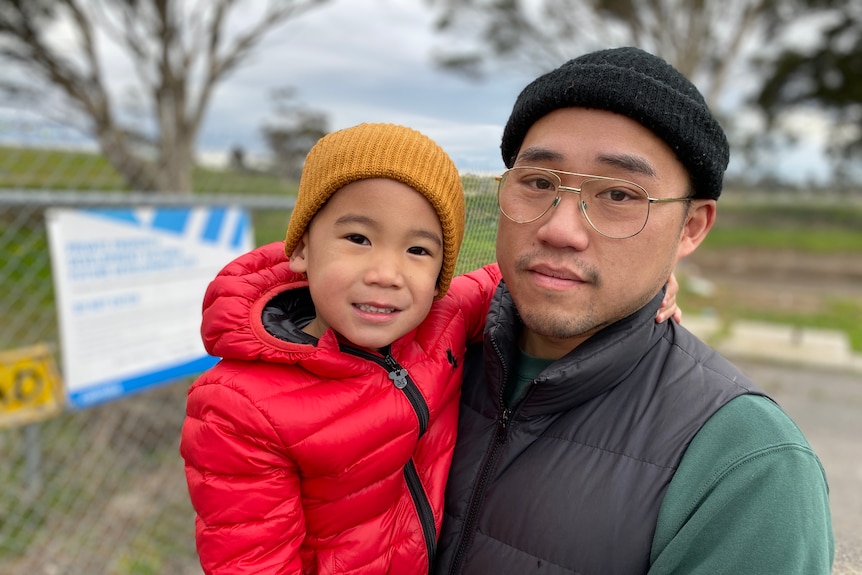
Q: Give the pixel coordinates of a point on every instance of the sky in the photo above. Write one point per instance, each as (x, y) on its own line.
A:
(371, 61)
(366, 61)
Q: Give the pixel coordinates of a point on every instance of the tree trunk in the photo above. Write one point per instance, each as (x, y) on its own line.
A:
(177, 165)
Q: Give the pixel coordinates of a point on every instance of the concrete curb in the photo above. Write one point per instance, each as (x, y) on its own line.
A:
(775, 342)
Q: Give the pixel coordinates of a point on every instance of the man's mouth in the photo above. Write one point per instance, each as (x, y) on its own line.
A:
(557, 273)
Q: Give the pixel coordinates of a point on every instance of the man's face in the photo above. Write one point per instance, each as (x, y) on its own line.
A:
(567, 280)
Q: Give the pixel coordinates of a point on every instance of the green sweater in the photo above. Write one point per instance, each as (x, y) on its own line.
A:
(749, 496)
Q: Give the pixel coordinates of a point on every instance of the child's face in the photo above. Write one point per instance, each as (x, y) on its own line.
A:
(372, 255)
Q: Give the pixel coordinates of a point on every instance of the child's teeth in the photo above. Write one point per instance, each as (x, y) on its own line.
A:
(372, 309)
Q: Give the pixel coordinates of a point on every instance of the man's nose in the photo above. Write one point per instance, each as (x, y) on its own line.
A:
(565, 225)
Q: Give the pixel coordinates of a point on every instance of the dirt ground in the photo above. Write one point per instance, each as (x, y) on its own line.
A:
(827, 405)
(780, 279)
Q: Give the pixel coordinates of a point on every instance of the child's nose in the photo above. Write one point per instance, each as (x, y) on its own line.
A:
(384, 271)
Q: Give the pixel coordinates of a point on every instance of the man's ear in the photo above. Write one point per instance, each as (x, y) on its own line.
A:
(299, 256)
(699, 221)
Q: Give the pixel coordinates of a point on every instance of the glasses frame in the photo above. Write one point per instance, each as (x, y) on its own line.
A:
(581, 203)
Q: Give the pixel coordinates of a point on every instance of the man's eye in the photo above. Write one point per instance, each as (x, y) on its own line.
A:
(538, 183)
(545, 184)
(620, 195)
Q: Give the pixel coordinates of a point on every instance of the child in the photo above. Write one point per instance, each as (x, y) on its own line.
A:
(321, 442)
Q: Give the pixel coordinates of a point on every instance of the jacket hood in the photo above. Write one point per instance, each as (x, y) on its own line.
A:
(234, 304)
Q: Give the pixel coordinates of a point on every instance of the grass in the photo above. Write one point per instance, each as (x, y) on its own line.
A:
(62, 170)
(37, 168)
(814, 227)
(822, 241)
(480, 235)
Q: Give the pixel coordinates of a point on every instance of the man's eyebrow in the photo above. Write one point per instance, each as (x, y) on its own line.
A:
(536, 154)
(628, 162)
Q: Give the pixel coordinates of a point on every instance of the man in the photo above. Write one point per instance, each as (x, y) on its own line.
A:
(591, 439)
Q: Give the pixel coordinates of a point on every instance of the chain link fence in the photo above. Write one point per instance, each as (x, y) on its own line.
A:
(102, 490)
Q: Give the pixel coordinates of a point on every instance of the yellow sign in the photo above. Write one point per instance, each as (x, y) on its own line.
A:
(30, 387)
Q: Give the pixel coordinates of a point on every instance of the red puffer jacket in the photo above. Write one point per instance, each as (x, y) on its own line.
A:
(304, 458)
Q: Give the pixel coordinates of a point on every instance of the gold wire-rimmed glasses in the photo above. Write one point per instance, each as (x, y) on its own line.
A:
(615, 208)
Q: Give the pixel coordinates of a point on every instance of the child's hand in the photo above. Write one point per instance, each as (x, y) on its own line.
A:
(669, 309)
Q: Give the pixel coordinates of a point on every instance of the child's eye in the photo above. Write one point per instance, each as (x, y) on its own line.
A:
(418, 251)
(357, 239)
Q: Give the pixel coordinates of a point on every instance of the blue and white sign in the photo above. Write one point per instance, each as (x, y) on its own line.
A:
(129, 285)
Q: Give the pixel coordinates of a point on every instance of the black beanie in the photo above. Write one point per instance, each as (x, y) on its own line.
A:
(633, 83)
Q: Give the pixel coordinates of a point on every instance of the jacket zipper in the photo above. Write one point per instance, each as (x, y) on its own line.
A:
(423, 509)
(402, 380)
(490, 463)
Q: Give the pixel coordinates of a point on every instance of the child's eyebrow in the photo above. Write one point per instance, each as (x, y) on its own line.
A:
(357, 219)
(375, 225)
(430, 236)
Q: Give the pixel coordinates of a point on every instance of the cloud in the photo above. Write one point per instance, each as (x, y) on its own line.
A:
(361, 61)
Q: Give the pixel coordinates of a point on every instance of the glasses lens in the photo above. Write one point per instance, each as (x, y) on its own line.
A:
(615, 208)
(525, 194)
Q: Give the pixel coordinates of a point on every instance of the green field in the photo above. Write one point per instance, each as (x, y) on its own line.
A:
(36, 168)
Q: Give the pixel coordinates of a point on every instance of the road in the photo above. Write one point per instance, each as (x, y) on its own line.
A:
(827, 406)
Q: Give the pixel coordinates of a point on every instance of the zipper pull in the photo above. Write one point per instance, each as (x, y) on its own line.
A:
(397, 374)
(399, 378)
(503, 423)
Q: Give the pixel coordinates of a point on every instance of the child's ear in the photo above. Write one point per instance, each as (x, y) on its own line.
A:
(299, 256)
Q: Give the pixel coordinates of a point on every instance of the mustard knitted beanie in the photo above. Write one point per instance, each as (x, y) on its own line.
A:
(382, 151)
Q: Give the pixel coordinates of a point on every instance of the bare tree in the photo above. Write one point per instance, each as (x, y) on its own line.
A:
(823, 76)
(703, 39)
(179, 50)
(292, 133)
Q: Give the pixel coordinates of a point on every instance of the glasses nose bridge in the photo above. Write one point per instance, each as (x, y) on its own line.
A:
(569, 190)
(580, 198)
